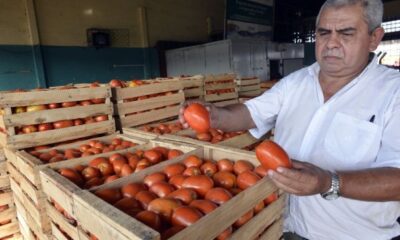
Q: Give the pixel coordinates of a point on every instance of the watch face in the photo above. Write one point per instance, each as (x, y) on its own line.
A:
(331, 196)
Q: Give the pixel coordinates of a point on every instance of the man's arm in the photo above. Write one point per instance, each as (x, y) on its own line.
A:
(376, 184)
(231, 118)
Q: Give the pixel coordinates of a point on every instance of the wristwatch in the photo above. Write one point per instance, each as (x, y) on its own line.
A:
(333, 192)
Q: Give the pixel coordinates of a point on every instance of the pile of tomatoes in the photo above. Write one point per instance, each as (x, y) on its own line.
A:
(163, 128)
(182, 193)
(92, 147)
(102, 170)
(216, 135)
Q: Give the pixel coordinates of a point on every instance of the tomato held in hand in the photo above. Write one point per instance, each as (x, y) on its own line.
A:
(198, 118)
(272, 156)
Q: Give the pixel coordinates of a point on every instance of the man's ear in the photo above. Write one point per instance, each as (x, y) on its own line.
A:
(376, 38)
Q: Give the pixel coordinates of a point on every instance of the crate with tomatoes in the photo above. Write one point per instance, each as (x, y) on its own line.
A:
(24, 166)
(218, 189)
(62, 180)
(44, 116)
(249, 87)
(139, 102)
(221, 87)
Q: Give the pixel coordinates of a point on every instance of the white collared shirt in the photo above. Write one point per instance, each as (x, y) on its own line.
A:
(357, 128)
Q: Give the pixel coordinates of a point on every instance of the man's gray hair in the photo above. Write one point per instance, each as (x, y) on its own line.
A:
(373, 10)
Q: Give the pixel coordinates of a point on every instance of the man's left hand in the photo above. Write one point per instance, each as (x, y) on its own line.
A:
(303, 179)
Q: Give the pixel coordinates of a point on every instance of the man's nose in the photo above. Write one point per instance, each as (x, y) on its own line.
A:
(333, 41)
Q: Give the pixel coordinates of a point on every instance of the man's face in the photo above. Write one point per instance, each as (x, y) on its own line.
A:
(342, 41)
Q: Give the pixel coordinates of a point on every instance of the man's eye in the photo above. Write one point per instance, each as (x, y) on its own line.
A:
(323, 33)
(347, 34)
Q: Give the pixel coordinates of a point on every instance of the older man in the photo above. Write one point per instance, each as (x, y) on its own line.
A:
(340, 118)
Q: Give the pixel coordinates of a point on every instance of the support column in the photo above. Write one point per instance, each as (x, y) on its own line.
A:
(35, 43)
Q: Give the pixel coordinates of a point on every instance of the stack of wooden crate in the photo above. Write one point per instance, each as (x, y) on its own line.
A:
(9, 228)
(221, 89)
(152, 101)
(249, 87)
(267, 85)
(193, 86)
(94, 218)
(35, 118)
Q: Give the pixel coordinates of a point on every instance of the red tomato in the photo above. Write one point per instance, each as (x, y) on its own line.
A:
(198, 117)
(185, 216)
(272, 156)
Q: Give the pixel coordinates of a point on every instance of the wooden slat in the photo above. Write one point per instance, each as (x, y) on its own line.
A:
(244, 82)
(4, 182)
(52, 96)
(220, 97)
(147, 89)
(249, 88)
(95, 217)
(22, 165)
(33, 192)
(193, 92)
(8, 214)
(253, 228)
(36, 212)
(138, 132)
(250, 94)
(59, 135)
(59, 189)
(57, 234)
(219, 86)
(150, 103)
(60, 220)
(53, 115)
(220, 77)
(9, 229)
(6, 198)
(151, 116)
(274, 232)
(28, 226)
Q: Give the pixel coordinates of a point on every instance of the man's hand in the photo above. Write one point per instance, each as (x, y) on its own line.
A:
(303, 179)
(187, 103)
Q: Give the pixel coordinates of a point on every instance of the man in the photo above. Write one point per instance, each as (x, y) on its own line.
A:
(340, 118)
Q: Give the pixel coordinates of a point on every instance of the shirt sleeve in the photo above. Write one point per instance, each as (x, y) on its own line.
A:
(265, 108)
(389, 153)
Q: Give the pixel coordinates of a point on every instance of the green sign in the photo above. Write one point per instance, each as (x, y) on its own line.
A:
(249, 11)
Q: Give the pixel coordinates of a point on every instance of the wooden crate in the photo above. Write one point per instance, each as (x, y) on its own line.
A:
(193, 86)
(107, 222)
(29, 165)
(61, 190)
(189, 136)
(138, 130)
(11, 228)
(214, 83)
(9, 120)
(140, 111)
(267, 85)
(26, 185)
(249, 87)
